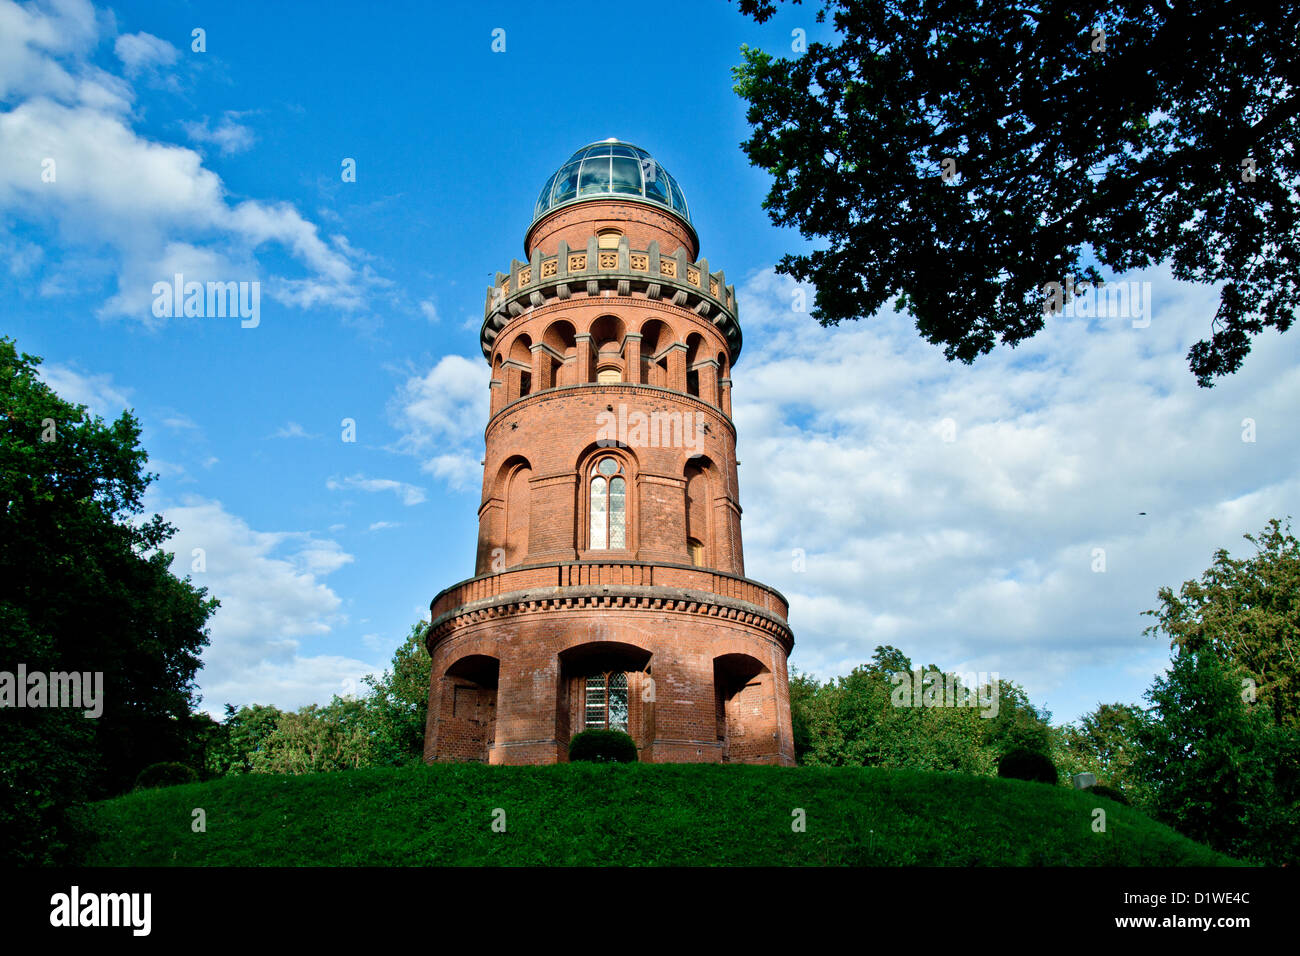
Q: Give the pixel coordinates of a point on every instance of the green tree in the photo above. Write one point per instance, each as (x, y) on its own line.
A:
(1218, 769)
(398, 702)
(1247, 612)
(85, 587)
(958, 157)
(1105, 742)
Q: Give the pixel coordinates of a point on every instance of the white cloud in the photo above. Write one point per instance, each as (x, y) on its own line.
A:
(429, 310)
(292, 430)
(441, 416)
(978, 552)
(229, 135)
(274, 603)
(96, 392)
(143, 51)
(384, 525)
(409, 494)
(149, 208)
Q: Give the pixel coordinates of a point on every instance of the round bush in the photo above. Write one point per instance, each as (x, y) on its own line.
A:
(1110, 793)
(164, 775)
(602, 746)
(1024, 764)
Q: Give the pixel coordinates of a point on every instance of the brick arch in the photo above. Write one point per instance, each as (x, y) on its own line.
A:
(513, 488)
(700, 476)
(465, 726)
(582, 658)
(656, 335)
(607, 340)
(584, 465)
(560, 339)
(744, 692)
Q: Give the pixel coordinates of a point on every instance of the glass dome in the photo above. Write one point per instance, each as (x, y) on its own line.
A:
(611, 168)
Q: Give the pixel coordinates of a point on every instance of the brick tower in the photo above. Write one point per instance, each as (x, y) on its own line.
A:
(609, 588)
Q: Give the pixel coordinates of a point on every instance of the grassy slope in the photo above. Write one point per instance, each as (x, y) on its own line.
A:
(580, 814)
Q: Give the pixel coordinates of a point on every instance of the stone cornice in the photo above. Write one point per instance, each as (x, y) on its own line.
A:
(576, 272)
(609, 596)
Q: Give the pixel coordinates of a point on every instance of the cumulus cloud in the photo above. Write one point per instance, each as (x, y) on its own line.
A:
(274, 602)
(143, 51)
(441, 416)
(409, 494)
(959, 511)
(96, 392)
(229, 135)
(150, 208)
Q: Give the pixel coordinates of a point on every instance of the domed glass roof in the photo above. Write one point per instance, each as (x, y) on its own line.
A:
(611, 168)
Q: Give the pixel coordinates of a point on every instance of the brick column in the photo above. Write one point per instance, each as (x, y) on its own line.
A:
(542, 368)
(497, 391)
(724, 386)
(583, 371)
(708, 373)
(632, 358)
(677, 367)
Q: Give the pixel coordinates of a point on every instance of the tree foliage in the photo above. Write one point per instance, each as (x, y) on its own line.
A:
(957, 157)
(1219, 770)
(1246, 612)
(85, 587)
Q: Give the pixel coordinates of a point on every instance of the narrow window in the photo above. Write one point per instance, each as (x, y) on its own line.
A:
(608, 376)
(697, 551)
(608, 239)
(608, 506)
(606, 706)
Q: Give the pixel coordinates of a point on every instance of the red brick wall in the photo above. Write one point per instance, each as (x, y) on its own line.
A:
(640, 223)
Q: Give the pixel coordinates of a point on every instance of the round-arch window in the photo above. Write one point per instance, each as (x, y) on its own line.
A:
(608, 506)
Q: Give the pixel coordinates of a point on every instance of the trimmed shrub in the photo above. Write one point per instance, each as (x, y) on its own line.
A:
(164, 775)
(1110, 793)
(1021, 764)
(603, 746)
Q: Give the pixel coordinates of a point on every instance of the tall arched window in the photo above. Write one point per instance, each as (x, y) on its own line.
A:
(608, 506)
(606, 703)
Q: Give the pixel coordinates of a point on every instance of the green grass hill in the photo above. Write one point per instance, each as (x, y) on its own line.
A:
(636, 814)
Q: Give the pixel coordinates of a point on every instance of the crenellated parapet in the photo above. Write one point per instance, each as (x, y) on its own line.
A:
(593, 271)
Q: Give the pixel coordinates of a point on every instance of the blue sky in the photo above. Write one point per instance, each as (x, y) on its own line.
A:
(971, 553)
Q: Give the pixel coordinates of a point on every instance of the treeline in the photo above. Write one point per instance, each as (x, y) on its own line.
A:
(1214, 753)
(381, 728)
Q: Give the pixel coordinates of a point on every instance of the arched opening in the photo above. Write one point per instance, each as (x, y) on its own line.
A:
(607, 334)
(518, 503)
(694, 352)
(521, 358)
(606, 685)
(466, 725)
(607, 500)
(655, 338)
(745, 707)
(562, 352)
(697, 511)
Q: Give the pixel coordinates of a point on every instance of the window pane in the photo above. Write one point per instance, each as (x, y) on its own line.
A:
(625, 176)
(595, 716)
(566, 184)
(618, 702)
(595, 176)
(617, 517)
(656, 186)
(544, 197)
(679, 201)
(622, 151)
(598, 506)
(607, 466)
